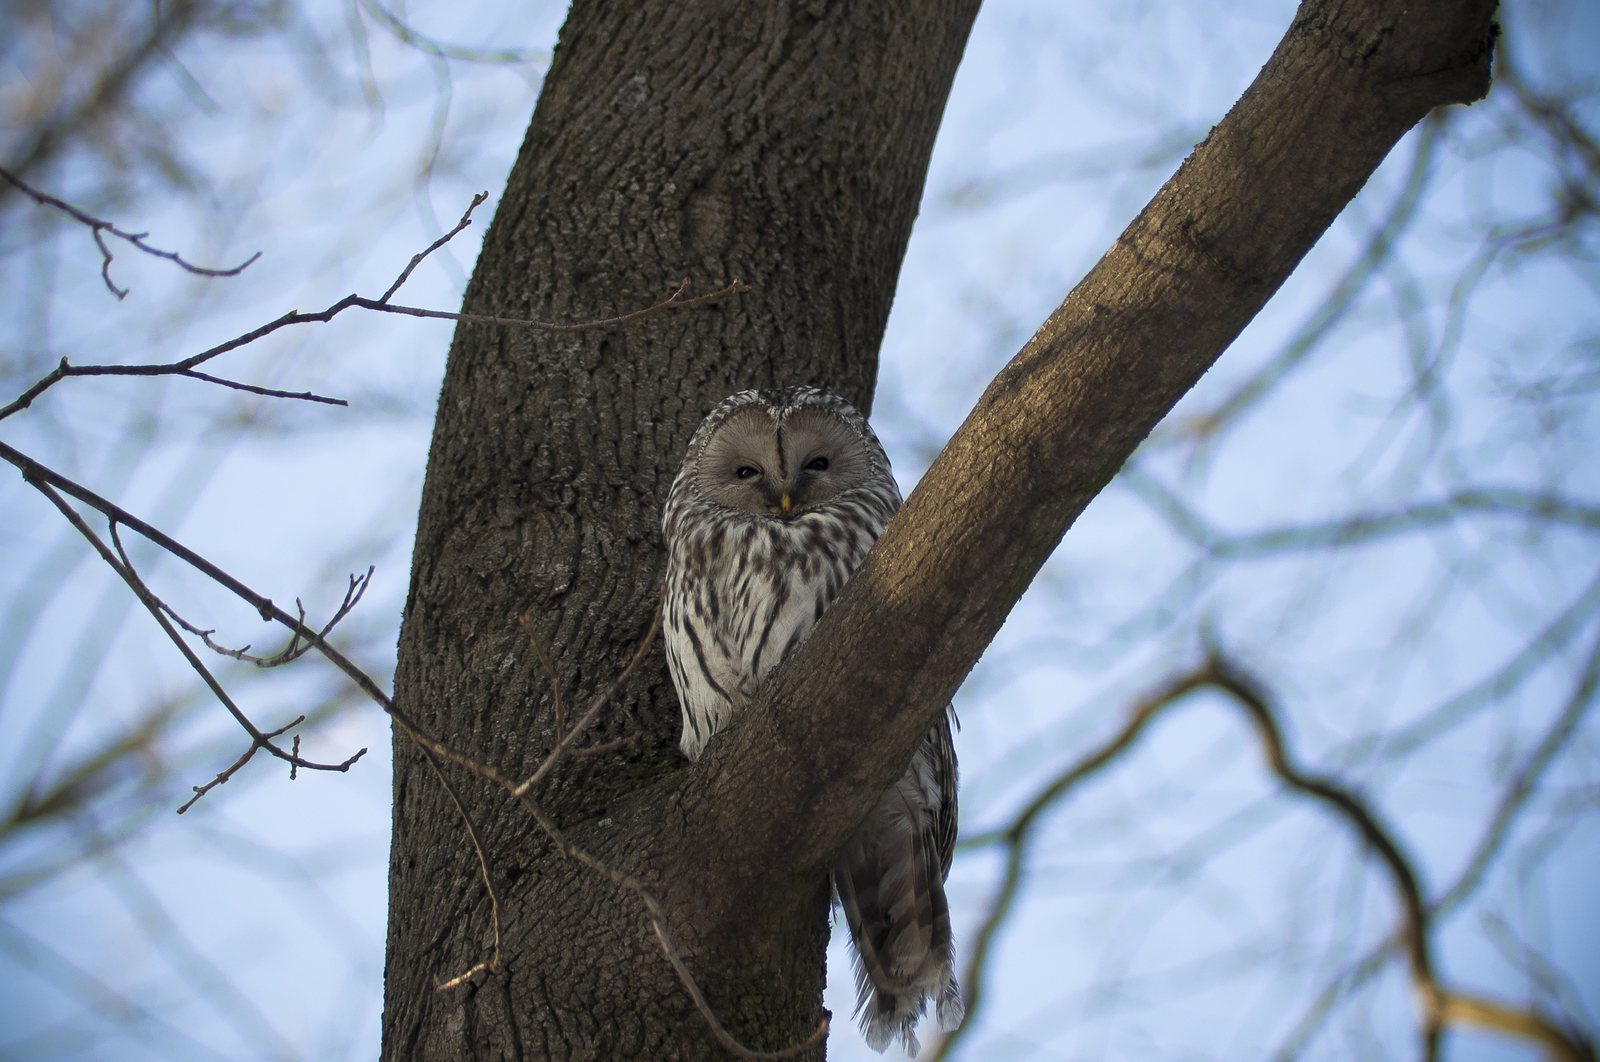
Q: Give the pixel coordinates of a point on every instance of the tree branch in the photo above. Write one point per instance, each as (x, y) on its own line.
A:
(187, 366)
(1440, 1006)
(1019, 834)
(46, 481)
(1206, 426)
(157, 610)
(99, 227)
(836, 723)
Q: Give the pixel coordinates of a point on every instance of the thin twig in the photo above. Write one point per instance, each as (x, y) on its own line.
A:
(47, 481)
(99, 226)
(1506, 502)
(295, 649)
(36, 473)
(267, 392)
(416, 259)
(675, 301)
(297, 646)
(598, 703)
(186, 366)
(610, 746)
(492, 964)
(223, 776)
(407, 35)
(562, 748)
(154, 606)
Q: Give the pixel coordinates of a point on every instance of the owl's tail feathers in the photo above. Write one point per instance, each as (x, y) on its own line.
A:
(891, 887)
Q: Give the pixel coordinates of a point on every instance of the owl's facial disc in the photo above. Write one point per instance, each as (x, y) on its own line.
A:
(823, 455)
(756, 464)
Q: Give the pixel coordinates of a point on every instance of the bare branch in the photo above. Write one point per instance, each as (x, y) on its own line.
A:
(1527, 777)
(416, 259)
(599, 702)
(609, 746)
(186, 366)
(1361, 527)
(156, 609)
(297, 646)
(267, 392)
(563, 747)
(492, 964)
(1440, 1005)
(36, 473)
(1544, 645)
(675, 301)
(46, 481)
(223, 776)
(99, 227)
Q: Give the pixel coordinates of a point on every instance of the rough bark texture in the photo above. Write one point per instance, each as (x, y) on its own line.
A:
(786, 146)
(783, 144)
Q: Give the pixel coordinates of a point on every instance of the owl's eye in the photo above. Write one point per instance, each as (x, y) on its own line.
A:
(818, 464)
(746, 471)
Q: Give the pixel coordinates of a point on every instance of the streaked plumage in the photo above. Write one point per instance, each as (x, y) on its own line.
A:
(780, 496)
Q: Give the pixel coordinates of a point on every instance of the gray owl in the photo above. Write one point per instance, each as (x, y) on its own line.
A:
(781, 495)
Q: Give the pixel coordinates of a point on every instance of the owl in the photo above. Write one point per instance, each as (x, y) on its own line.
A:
(780, 496)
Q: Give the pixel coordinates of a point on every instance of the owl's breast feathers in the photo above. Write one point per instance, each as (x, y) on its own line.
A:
(743, 590)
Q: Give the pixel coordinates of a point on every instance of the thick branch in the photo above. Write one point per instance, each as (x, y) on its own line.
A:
(837, 722)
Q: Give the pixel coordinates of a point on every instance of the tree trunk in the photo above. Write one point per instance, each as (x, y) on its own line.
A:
(784, 145)
(787, 148)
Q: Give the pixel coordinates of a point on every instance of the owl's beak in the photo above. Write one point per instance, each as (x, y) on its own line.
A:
(787, 507)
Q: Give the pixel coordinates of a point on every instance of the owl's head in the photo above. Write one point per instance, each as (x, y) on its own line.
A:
(781, 453)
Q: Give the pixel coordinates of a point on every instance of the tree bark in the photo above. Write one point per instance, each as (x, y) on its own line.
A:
(782, 144)
(786, 147)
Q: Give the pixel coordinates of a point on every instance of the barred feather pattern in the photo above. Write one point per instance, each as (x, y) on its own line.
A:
(746, 581)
